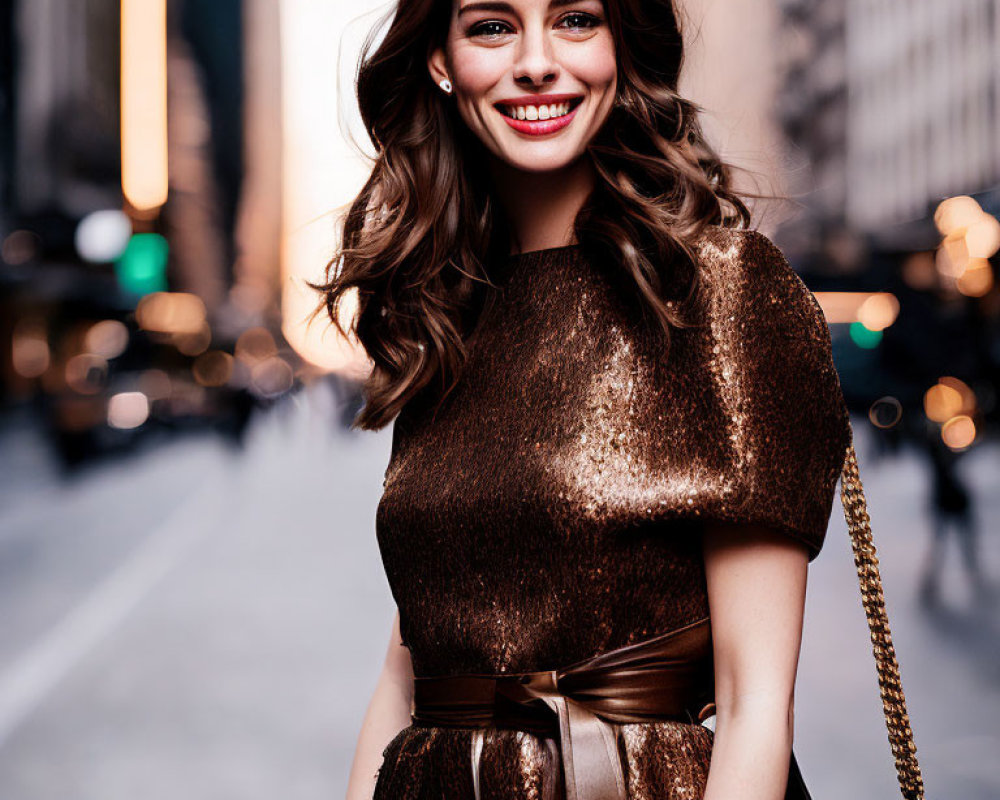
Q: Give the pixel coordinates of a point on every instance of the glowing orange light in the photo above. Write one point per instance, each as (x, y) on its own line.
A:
(879, 311)
(255, 345)
(213, 368)
(144, 104)
(30, 354)
(194, 343)
(964, 390)
(958, 432)
(942, 402)
(107, 339)
(982, 238)
(952, 256)
(886, 412)
(86, 373)
(878, 308)
(977, 278)
(171, 312)
(956, 213)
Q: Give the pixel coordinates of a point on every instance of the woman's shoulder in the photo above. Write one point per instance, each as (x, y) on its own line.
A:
(750, 280)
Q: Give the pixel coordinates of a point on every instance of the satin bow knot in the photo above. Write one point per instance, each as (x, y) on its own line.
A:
(665, 677)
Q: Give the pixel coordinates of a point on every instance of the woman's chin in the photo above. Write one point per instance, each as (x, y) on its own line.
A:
(535, 160)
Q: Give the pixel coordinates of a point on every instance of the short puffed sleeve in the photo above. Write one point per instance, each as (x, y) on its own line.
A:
(788, 423)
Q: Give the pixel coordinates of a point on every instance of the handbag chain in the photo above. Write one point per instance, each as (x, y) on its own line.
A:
(893, 702)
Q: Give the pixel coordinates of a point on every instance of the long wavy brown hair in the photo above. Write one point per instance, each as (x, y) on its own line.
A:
(418, 241)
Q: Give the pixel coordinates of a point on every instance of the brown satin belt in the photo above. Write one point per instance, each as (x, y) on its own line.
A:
(666, 677)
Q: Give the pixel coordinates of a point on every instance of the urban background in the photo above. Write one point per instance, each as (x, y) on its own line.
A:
(191, 598)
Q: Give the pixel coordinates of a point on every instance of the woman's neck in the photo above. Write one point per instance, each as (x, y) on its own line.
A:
(542, 206)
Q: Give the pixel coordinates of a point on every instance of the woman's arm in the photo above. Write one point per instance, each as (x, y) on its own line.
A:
(756, 591)
(388, 713)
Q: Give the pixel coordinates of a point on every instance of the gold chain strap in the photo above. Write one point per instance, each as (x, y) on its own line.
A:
(893, 703)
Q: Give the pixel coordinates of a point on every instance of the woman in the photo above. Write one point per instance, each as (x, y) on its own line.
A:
(618, 427)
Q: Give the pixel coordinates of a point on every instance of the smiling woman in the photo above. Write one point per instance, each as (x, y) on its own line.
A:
(458, 183)
(618, 426)
(562, 58)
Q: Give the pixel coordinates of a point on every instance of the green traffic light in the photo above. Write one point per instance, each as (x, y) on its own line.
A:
(142, 268)
(864, 337)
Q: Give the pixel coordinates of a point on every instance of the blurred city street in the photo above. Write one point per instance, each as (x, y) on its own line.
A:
(192, 600)
(192, 621)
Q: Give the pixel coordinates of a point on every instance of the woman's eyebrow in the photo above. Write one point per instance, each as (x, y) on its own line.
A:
(489, 5)
(499, 5)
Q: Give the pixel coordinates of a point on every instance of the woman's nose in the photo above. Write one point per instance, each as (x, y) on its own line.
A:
(536, 64)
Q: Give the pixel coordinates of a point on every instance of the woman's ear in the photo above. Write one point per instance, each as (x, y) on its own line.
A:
(437, 65)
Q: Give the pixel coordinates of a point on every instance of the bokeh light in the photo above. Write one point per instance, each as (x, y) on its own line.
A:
(142, 267)
(958, 432)
(127, 410)
(171, 312)
(864, 337)
(879, 311)
(108, 339)
(30, 353)
(956, 214)
(144, 104)
(102, 236)
(193, 343)
(86, 373)
(886, 412)
(20, 246)
(213, 368)
(255, 345)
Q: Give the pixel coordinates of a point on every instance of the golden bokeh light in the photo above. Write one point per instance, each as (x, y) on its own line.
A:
(30, 354)
(982, 239)
(885, 412)
(144, 104)
(949, 397)
(171, 312)
(194, 343)
(956, 214)
(880, 308)
(86, 373)
(942, 402)
(977, 278)
(964, 390)
(958, 432)
(255, 345)
(879, 311)
(213, 368)
(952, 256)
(107, 339)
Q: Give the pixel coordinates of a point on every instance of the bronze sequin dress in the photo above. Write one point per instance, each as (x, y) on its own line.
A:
(550, 510)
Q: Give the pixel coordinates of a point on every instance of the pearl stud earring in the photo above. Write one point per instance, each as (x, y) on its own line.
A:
(445, 84)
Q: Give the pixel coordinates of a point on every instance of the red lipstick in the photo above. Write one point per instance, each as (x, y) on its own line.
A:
(538, 127)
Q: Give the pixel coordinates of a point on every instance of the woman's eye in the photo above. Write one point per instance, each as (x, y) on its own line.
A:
(580, 20)
(489, 29)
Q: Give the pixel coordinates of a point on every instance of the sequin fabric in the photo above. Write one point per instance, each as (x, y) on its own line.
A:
(552, 508)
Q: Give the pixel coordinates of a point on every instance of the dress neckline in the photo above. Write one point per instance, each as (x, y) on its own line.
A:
(532, 255)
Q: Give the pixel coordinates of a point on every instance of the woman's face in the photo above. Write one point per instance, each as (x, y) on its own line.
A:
(533, 79)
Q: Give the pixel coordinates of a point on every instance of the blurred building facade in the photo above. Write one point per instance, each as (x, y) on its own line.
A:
(889, 106)
(924, 105)
(812, 101)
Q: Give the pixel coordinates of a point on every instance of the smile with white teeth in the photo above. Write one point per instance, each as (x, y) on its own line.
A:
(532, 113)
